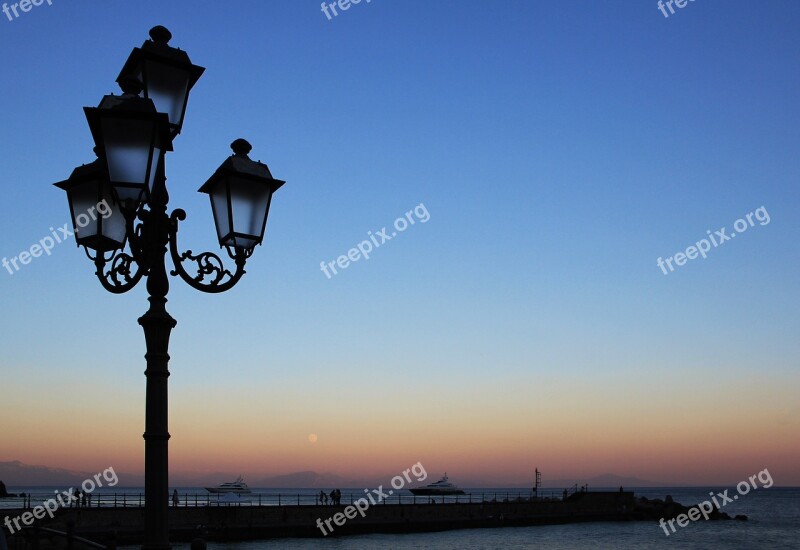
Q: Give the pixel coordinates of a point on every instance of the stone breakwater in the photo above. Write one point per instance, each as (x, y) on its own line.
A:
(112, 526)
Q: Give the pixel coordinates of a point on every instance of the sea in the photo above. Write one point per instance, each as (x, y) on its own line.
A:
(773, 523)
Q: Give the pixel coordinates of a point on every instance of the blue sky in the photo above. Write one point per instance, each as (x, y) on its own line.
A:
(560, 148)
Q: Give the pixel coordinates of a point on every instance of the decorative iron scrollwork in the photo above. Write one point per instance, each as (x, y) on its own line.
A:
(211, 274)
(123, 271)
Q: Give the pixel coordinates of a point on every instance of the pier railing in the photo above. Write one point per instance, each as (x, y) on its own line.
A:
(273, 498)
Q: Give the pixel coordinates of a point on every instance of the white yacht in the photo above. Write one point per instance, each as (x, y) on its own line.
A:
(238, 487)
(441, 487)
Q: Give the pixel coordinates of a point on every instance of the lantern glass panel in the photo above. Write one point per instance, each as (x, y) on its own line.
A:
(83, 200)
(249, 203)
(127, 150)
(168, 86)
(219, 204)
(112, 222)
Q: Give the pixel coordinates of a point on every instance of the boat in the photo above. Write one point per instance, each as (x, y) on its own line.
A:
(441, 487)
(238, 487)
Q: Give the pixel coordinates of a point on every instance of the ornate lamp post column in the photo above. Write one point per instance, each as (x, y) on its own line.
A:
(132, 135)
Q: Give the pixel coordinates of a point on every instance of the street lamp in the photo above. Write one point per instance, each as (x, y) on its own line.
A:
(166, 73)
(132, 135)
(101, 230)
(241, 192)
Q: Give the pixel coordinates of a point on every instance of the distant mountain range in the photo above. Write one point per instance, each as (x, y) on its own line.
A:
(18, 474)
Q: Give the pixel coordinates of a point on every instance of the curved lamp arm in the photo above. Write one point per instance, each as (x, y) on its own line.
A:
(212, 276)
(119, 278)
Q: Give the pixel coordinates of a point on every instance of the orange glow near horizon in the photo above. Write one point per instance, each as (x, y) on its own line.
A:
(569, 432)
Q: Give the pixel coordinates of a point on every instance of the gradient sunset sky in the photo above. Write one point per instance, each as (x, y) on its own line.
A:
(560, 149)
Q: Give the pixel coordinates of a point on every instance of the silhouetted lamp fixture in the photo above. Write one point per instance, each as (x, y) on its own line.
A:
(241, 192)
(166, 74)
(87, 188)
(132, 135)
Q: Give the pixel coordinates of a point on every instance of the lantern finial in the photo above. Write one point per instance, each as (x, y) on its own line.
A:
(130, 85)
(241, 148)
(160, 35)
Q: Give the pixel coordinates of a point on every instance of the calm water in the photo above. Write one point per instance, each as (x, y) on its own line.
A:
(774, 522)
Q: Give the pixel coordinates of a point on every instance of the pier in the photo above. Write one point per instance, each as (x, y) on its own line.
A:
(111, 525)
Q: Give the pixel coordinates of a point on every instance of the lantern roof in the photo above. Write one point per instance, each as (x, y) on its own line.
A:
(240, 164)
(157, 47)
(83, 172)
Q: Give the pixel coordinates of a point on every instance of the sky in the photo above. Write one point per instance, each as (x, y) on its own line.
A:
(556, 151)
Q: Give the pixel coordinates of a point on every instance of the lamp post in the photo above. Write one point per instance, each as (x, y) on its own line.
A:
(132, 134)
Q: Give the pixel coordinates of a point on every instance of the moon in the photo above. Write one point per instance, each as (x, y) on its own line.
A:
(312, 438)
